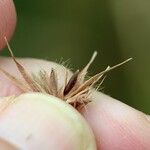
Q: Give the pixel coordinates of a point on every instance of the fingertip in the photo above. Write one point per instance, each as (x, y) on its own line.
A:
(116, 125)
(7, 21)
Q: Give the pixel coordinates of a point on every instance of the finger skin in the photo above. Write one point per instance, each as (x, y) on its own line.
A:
(7, 20)
(116, 125)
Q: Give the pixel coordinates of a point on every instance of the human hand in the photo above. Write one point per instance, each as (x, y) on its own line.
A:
(116, 126)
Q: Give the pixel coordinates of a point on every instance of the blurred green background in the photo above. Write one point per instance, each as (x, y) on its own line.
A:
(55, 29)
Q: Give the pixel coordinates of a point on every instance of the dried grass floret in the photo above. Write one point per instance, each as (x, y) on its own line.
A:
(76, 91)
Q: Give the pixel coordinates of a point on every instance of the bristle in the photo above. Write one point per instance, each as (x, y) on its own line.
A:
(17, 82)
(74, 97)
(9, 48)
(83, 73)
(85, 69)
(22, 70)
(96, 78)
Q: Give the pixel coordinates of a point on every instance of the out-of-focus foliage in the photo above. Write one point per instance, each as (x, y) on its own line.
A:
(52, 29)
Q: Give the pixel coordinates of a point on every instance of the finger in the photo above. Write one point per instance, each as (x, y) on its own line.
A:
(7, 20)
(116, 125)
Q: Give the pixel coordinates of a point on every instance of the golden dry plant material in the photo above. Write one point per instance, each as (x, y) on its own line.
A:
(75, 91)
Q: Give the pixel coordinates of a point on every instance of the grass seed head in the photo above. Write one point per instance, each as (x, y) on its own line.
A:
(75, 92)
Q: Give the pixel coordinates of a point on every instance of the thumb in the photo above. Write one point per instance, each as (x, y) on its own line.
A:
(116, 125)
(7, 20)
(36, 121)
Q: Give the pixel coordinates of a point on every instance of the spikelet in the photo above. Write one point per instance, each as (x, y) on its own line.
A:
(75, 92)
